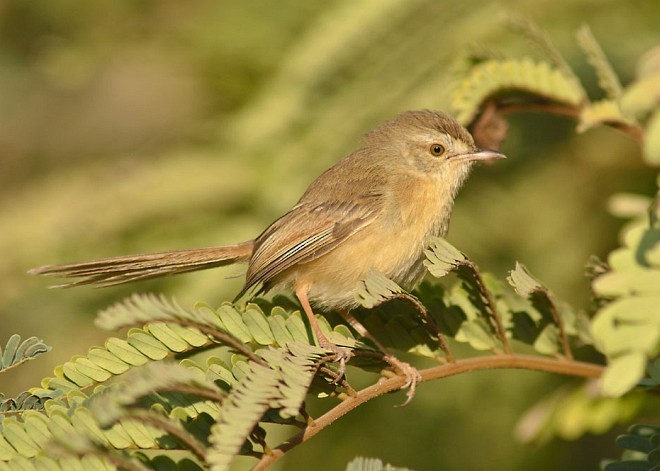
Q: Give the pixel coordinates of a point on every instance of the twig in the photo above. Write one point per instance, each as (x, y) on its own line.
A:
(196, 391)
(552, 306)
(221, 337)
(174, 430)
(631, 130)
(342, 382)
(529, 362)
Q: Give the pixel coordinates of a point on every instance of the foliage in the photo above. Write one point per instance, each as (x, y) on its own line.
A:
(215, 410)
(626, 327)
(371, 464)
(214, 382)
(17, 352)
(642, 450)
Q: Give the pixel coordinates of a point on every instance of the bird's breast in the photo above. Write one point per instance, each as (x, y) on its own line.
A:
(393, 244)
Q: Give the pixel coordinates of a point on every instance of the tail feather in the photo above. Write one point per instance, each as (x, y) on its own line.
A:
(125, 269)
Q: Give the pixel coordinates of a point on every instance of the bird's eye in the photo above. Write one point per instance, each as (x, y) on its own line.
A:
(437, 149)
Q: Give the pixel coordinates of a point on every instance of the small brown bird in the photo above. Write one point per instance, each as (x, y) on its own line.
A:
(374, 210)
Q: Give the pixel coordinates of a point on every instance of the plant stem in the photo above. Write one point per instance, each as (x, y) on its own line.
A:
(527, 362)
(492, 317)
(222, 337)
(427, 322)
(566, 345)
(631, 130)
(175, 430)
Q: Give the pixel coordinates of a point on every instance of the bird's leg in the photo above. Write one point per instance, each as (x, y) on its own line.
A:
(410, 372)
(342, 354)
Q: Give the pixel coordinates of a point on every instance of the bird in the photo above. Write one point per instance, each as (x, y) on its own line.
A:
(374, 210)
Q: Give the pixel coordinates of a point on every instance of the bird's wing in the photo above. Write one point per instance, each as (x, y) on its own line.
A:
(307, 232)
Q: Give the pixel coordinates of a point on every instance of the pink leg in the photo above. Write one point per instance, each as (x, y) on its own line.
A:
(410, 372)
(342, 354)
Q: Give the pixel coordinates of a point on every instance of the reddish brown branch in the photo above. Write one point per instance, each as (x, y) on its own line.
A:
(528, 362)
(633, 131)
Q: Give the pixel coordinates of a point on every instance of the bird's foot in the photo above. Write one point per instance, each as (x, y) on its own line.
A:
(341, 356)
(410, 373)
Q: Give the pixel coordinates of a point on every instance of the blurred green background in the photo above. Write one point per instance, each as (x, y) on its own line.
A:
(137, 126)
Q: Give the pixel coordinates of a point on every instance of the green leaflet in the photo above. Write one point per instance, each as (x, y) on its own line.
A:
(233, 322)
(125, 352)
(623, 373)
(641, 446)
(147, 345)
(258, 325)
(277, 323)
(17, 352)
(376, 289)
(523, 282)
(26, 401)
(167, 336)
(442, 257)
(17, 436)
(629, 323)
(627, 328)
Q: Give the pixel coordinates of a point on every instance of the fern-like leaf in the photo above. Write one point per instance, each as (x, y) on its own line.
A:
(243, 330)
(642, 449)
(143, 308)
(17, 352)
(535, 35)
(627, 328)
(376, 289)
(26, 401)
(496, 78)
(607, 78)
(442, 257)
(482, 324)
(145, 380)
(69, 463)
(554, 331)
(282, 385)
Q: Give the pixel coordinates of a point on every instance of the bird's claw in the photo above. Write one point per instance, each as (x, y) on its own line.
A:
(410, 373)
(341, 356)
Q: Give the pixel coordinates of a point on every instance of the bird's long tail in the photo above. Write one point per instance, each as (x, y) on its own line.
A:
(128, 268)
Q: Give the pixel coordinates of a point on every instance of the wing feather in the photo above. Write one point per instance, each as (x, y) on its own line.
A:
(340, 203)
(302, 235)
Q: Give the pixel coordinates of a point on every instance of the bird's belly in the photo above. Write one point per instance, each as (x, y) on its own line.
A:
(334, 278)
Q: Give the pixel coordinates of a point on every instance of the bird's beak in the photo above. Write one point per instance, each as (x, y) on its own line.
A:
(483, 154)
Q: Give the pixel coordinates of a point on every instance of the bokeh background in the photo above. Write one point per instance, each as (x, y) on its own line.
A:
(136, 126)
